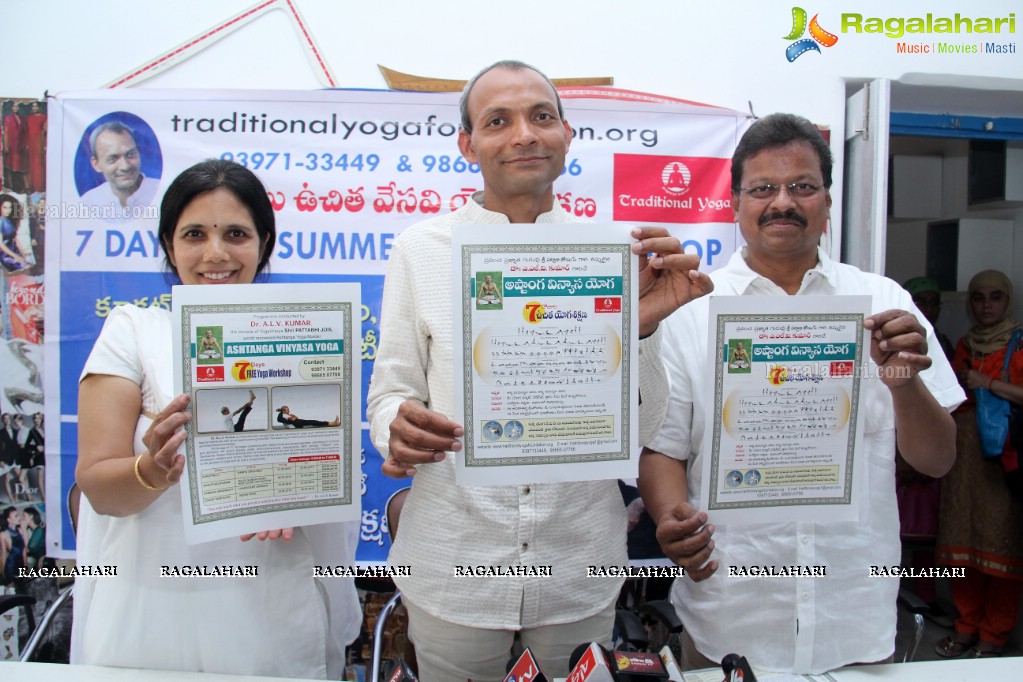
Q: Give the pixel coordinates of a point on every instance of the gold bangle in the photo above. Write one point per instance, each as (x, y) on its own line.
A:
(138, 475)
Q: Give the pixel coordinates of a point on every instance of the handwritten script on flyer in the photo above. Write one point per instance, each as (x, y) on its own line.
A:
(545, 325)
(786, 404)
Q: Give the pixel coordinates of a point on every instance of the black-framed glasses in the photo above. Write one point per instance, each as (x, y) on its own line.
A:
(799, 190)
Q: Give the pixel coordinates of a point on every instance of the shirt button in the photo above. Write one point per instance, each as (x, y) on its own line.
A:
(525, 490)
(805, 540)
(804, 597)
(525, 546)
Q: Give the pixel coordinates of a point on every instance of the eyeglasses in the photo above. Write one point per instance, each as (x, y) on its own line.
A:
(799, 190)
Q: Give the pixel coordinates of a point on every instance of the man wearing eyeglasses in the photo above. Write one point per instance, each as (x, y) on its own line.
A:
(781, 175)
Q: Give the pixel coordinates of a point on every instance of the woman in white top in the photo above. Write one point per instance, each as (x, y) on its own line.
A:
(216, 227)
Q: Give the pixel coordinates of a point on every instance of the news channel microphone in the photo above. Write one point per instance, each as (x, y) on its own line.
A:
(671, 664)
(637, 666)
(737, 669)
(589, 663)
(402, 673)
(525, 669)
(594, 662)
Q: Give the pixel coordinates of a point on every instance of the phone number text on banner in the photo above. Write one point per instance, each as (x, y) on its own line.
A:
(346, 172)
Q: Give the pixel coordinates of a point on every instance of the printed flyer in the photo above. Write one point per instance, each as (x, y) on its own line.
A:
(786, 401)
(274, 376)
(545, 326)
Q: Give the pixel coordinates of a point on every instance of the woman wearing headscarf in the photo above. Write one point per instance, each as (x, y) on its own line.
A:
(981, 525)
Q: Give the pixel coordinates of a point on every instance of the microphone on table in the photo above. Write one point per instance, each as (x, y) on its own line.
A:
(402, 673)
(671, 665)
(525, 669)
(589, 663)
(737, 669)
(593, 663)
(637, 666)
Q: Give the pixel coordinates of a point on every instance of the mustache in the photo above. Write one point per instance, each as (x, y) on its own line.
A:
(790, 214)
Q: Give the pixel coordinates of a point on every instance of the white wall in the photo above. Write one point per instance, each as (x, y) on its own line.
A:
(722, 53)
(728, 54)
(994, 238)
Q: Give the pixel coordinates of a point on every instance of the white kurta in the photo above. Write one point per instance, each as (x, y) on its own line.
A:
(567, 526)
(276, 624)
(104, 205)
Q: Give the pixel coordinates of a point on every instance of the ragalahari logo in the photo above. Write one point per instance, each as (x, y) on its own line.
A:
(818, 36)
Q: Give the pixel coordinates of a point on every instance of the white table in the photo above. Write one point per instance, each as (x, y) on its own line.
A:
(953, 670)
(957, 670)
(55, 672)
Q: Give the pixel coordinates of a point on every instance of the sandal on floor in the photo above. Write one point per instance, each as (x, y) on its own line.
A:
(987, 650)
(951, 646)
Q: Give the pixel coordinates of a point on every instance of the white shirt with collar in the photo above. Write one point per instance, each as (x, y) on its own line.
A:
(800, 624)
(104, 205)
(567, 526)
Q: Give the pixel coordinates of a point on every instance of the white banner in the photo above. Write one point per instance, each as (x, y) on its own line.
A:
(346, 171)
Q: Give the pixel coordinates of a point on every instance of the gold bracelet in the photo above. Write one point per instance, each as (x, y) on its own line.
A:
(138, 475)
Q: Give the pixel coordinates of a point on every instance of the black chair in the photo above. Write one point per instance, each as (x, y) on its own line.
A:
(918, 607)
(392, 512)
(630, 631)
(43, 628)
(13, 601)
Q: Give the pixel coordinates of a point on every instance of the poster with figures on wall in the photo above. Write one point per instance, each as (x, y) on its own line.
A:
(22, 431)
